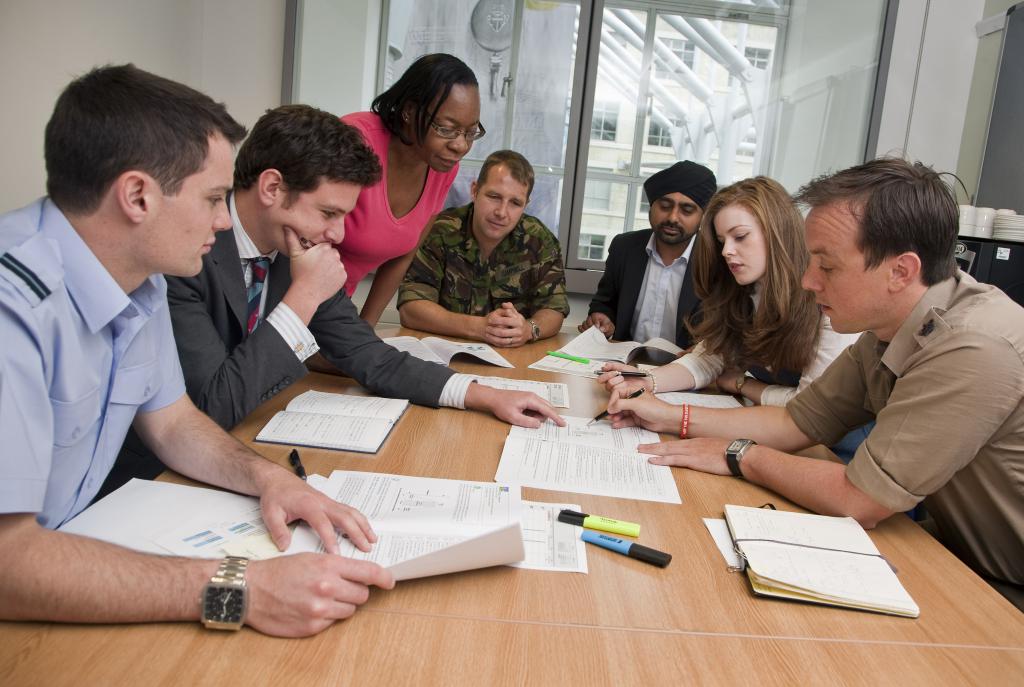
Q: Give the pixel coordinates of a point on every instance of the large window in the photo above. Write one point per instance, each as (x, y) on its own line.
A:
(745, 87)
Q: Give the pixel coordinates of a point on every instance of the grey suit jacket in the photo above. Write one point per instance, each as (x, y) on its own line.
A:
(228, 373)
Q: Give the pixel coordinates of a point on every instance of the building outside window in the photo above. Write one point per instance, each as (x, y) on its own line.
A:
(591, 247)
(605, 121)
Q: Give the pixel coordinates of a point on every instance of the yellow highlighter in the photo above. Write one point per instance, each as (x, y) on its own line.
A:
(598, 522)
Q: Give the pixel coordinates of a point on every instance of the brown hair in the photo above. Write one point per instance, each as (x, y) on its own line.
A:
(900, 207)
(519, 168)
(783, 333)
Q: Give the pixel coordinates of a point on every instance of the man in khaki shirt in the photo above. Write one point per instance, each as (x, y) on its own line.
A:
(940, 368)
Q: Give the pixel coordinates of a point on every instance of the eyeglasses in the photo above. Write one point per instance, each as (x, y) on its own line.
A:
(450, 134)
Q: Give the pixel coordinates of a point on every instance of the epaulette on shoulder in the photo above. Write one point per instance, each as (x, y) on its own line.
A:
(24, 279)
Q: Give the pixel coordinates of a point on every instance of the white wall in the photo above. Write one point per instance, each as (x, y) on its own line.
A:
(230, 49)
(929, 80)
(337, 50)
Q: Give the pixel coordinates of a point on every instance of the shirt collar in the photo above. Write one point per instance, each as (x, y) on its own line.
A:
(246, 248)
(97, 296)
(683, 259)
(920, 324)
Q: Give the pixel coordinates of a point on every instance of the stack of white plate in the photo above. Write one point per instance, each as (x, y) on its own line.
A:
(1007, 227)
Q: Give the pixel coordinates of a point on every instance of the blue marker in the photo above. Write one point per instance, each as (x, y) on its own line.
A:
(628, 548)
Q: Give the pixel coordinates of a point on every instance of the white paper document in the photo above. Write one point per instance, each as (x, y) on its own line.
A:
(719, 531)
(147, 516)
(578, 430)
(678, 398)
(550, 544)
(583, 469)
(593, 345)
(435, 350)
(416, 517)
(551, 363)
(555, 393)
(335, 421)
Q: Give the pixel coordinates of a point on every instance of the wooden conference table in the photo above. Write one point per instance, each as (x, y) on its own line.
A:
(623, 623)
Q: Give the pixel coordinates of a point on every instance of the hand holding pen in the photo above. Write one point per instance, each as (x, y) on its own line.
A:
(627, 377)
(603, 415)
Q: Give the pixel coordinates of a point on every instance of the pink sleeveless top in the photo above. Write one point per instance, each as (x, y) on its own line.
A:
(372, 234)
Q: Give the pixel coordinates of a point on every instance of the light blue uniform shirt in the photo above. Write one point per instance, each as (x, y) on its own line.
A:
(79, 358)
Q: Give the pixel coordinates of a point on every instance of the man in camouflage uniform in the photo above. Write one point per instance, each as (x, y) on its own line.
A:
(487, 271)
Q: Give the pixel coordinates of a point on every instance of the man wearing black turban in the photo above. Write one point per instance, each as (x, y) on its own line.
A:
(636, 298)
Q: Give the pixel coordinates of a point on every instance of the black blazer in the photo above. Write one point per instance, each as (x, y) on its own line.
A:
(619, 288)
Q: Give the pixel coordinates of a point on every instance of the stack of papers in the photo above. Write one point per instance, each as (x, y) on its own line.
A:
(428, 527)
(336, 421)
(816, 558)
(594, 459)
(592, 351)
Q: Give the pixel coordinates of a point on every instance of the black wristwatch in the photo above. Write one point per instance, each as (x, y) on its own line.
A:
(734, 454)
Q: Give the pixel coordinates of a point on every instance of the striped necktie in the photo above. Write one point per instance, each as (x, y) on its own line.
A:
(260, 266)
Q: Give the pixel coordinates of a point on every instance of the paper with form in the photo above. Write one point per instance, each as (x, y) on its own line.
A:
(555, 393)
(583, 469)
(416, 516)
(337, 421)
(579, 430)
(550, 544)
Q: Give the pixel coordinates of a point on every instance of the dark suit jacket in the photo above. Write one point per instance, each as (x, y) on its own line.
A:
(619, 288)
(228, 373)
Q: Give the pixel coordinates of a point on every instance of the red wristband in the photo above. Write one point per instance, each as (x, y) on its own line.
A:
(684, 427)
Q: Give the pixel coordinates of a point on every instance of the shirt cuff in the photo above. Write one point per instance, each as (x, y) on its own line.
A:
(777, 395)
(453, 395)
(293, 331)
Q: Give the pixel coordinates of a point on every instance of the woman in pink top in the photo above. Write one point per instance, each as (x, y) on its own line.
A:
(420, 128)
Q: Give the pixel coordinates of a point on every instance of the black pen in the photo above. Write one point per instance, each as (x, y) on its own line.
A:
(296, 462)
(604, 414)
(626, 373)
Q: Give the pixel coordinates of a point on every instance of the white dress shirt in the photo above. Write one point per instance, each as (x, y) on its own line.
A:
(658, 306)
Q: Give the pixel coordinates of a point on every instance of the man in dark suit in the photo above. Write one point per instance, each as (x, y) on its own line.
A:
(636, 298)
(270, 293)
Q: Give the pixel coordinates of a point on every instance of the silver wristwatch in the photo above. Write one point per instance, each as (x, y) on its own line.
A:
(534, 330)
(225, 597)
(734, 454)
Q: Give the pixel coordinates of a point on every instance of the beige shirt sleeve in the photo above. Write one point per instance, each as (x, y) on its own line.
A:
(949, 403)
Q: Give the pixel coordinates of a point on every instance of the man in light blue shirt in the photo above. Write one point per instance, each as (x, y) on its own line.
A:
(138, 168)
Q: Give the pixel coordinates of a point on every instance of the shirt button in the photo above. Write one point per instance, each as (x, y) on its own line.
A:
(75, 432)
(146, 392)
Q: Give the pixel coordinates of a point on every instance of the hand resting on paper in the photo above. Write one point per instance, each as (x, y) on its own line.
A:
(522, 408)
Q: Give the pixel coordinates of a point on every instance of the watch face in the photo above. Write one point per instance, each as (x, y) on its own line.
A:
(224, 604)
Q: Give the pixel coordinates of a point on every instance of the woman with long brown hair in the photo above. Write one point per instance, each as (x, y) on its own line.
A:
(760, 334)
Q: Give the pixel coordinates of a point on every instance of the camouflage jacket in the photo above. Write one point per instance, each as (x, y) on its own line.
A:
(525, 269)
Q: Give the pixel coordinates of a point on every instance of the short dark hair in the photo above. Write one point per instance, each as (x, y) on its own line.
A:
(425, 85)
(519, 168)
(118, 118)
(306, 146)
(900, 206)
